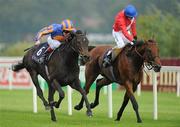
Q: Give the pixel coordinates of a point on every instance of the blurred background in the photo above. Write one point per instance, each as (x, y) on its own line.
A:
(21, 20)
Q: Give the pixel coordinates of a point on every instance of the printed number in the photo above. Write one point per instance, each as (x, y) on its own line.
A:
(40, 51)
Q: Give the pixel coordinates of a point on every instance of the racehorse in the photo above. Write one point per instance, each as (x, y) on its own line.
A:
(126, 70)
(62, 69)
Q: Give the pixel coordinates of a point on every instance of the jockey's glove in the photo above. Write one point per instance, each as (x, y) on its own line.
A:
(135, 38)
(133, 42)
(37, 42)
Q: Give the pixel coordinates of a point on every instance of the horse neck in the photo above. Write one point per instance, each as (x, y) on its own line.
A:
(138, 59)
(69, 56)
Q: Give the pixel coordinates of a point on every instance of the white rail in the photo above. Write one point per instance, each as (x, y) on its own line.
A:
(109, 89)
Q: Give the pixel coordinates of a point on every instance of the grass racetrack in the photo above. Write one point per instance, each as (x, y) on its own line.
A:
(16, 111)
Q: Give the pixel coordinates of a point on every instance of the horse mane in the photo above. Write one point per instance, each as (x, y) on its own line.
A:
(70, 41)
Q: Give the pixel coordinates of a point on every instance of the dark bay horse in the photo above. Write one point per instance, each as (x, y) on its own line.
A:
(126, 70)
(61, 70)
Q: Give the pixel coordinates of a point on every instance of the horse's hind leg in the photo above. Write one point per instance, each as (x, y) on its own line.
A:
(130, 93)
(34, 78)
(99, 84)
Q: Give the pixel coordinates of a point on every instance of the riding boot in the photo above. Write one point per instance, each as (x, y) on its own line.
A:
(111, 56)
(43, 59)
(107, 60)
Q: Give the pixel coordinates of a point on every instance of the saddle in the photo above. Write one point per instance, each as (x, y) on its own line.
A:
(40, 56)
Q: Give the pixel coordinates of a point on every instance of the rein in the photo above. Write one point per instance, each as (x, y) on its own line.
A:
(149, 63)
(139, 53)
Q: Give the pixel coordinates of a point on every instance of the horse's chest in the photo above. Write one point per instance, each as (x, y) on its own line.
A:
(67, 76)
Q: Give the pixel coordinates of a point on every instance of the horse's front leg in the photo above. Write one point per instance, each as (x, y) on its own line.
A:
(61, 93)
(90, 78)
(76, 85)
(124, 104)
(99, 84)
(51, 102)
(129, 89)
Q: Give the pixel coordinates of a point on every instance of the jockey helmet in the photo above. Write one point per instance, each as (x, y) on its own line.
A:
(67, 25)
(130, 11)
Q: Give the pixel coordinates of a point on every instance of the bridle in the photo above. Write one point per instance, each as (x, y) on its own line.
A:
(149, 63)
(73, 42)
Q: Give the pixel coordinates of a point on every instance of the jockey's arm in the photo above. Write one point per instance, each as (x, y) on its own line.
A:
(43, 31)
(126, 34)
(133, 29)
(122, 25)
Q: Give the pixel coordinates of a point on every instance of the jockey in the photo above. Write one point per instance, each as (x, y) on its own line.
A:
(124, 32)
(57, 34)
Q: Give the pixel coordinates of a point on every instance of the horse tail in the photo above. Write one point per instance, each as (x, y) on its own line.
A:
(91, 47)
(18, 66)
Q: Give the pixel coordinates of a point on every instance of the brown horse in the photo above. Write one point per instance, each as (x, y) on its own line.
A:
(126, 70)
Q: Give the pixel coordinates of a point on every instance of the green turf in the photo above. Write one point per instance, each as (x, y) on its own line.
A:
(16, 111)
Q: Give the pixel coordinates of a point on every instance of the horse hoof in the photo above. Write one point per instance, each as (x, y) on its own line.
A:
(93, 105)
(89, 113)
(117, 120)
(77, 107)
(139, 121)
(56, 105)
(54, 119)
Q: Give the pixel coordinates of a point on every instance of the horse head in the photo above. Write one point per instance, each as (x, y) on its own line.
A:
(151, 55)
(79, 43)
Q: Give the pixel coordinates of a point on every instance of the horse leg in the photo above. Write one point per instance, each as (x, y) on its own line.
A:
(76, 85)
(130, 93)
(61, 93)
(51, 102)
(99, 84)
(34, 78)
(125, 102)
(91, 73)
(89, 80)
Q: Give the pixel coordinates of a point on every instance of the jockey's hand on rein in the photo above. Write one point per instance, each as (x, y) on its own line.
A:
(37, 42)
(134, 42)
(135, 38)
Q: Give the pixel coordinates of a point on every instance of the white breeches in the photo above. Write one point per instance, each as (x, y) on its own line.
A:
(120, 39)
(53, 43)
